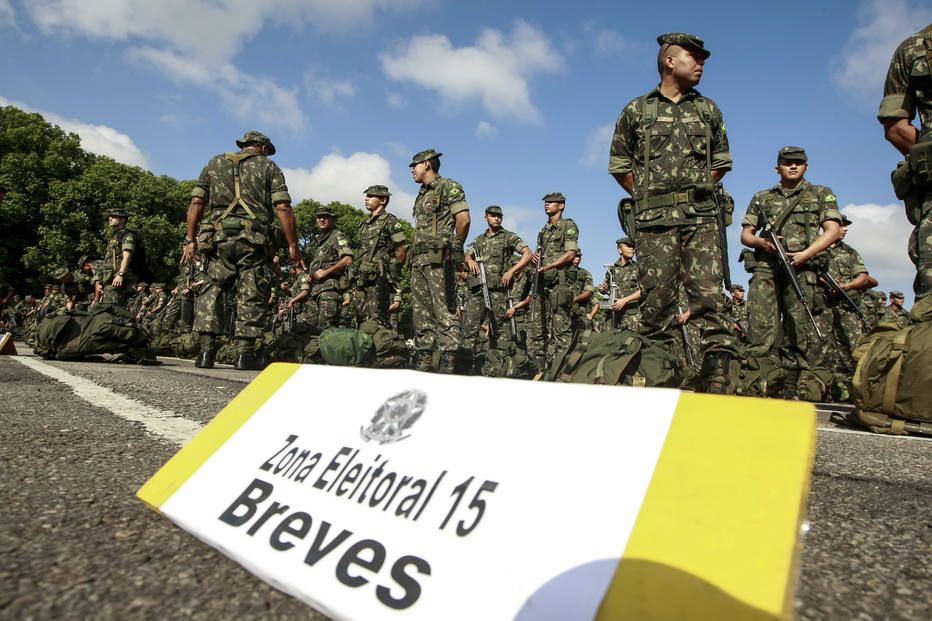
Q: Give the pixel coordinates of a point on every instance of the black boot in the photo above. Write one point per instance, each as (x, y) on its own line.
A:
(715, 378)
(248, 361)
(205, 360)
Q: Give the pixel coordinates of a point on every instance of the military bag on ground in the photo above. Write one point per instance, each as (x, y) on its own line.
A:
(55, 332)
(346, 347)
(614, 357)
(893, 378)
(756, 376)
(390, 349)
(508, 360)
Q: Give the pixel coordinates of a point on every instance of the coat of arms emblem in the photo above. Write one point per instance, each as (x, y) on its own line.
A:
(396, 415)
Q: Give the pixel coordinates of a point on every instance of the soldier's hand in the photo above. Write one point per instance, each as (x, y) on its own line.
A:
(509, 312)
(535, 258)
(320, 274)
(798, 258)
(473, 266)
(618, 305)
(117, 281)
(394, 306)
(188, 252)
(295, 258)
(683, 317)
(602, 288)
(506, 278)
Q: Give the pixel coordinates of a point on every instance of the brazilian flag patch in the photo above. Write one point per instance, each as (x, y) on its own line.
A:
(831, 199)
(341, 242)
(570, 231)
(455, 190)
(397, 226)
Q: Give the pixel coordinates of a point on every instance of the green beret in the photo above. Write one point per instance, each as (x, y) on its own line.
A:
(737, 288)
(896, 294)
(377, 190)
(256, 138)
(555, 197)
(60, 273)
(423, 156)
(684, 39)
(624, 240)
(117, 213)
(325, 210)
(792, 153)
(494, 210)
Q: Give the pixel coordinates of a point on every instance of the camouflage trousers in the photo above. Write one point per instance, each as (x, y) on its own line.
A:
(624, 319)
(242, 268)
(119, 295)
(842, 330)
(322, 310)
(552, 328)
(687, 255)
(477, 315)
(435, 325)
(776, 308)
(920, 249)
(174, 315)
(366, 301)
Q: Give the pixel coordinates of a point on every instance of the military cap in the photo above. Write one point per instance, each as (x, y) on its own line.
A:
(423, 156)
(684, 39)
(325, 210)
(579, 253)
(17, 297)
(48, 286)
(792, 153)
(55, 287)
(258, 138)
(896, 294)
(845, 220)
(737, 287)
(624, 240)
(158, 285)
(377, 190)
(142, 284)
(494, 210)
(29, 298)
(555, 197)
(60, 273)
(118, 212)
(84, 258)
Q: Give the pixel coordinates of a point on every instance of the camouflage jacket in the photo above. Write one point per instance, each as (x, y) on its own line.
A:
(897, 315)
(435, 208)
(497, 251)
(556, 239)
(626, 278)
(683, 148)
(805, 207)
(120, 240)
(908, 87)
(580, 280)
(331, 247)
(378, 238)
(262, 185)
(739, 313)
(844, 264)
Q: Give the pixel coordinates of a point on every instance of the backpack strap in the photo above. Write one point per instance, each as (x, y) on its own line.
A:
(236, 158)
(897, 349)
(705, 111)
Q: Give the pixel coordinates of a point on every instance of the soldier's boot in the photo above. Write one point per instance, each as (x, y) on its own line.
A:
(246, 357)
(447, 363)
(205, 359)
(715, 379)
(791, 384)
(423, 360)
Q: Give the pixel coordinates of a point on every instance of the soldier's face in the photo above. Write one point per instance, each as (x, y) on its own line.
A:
(116, 221)
(791, 170)
(494, 220)
(686, 64)
(419, 171)
(324, 223)
(552, 208)
(374, 202)
(626, 251)
(576, 260)
(737, 295)
(844, 231)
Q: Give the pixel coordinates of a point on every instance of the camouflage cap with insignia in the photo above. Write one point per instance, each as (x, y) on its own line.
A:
(495, 210)
(423, 156)
(255, 137)
(624, 240)
(325, 210)
(797, 154)
(55, 287)
(117, 212)
(554, 197)
(377, 190)
(897, 294)
(737, 288)
(60, 273)
(684, 39)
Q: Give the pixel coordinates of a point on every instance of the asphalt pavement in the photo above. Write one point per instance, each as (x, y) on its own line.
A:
(76, 543)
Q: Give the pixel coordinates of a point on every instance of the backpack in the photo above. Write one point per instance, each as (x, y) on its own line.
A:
(57, 331)
(346, 347)
(109, 329)
(893, 379)
(614, 357)
(390, 349)
(139, 260)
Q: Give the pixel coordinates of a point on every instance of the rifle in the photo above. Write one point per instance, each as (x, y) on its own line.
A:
(535, 284)
(687, 345)
(741, 329)
(449, 282)
(835, 289)
(609, 304)
(486, 297)
(766, 231)
(382, 301)
(511, 304)
(722, 234)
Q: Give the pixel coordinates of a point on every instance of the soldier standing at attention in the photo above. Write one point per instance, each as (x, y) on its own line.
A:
(382, 245)
(441, 225)
(895, 312)
(243, 191)
(668, 152)
(552, 329)
(626, 311)
(332, 257)
(583, 290)
(907, 92)
(739, 311)
(796, 210)
(118, 280)
(496, 247)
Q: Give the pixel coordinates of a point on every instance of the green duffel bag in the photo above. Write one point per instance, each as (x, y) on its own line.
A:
(59, 331)
(614, 357)
(347, 347)
(109, 329)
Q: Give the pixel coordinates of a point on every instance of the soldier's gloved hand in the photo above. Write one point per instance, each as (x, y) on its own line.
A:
(458, 252)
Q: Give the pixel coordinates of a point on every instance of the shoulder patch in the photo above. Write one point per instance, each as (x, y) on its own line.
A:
(341, 242)
(571, 231)
(397, 226)
(830, 198)
(456, 189)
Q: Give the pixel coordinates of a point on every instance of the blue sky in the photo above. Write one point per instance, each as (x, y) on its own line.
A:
(521, 97)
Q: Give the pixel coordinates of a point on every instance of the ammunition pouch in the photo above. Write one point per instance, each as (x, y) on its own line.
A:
(365, 272)
(394, 270)
(913, 178)
(434, 251)
(206, 238)
(473, 282)
(920, 163)
(343, 282)
(549, 278)
(562, 295)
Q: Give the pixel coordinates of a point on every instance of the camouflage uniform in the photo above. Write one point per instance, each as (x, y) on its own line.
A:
(496, 252)
(873, 303)
(234, 242)
(322, 306)
(675, 217)
(740, 315)
(435, 208)
(626, 279)
(378, 238)
(551, 330)
(804, 209)
(908, 93)
(896, 314)
(840, 323)
(121, 240)
(581, 281)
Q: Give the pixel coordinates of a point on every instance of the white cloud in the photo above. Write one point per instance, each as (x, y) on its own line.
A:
(880, 233)
(862, 63)
(7, 16)
(486, 130)
(326, 89)
(606, 42)
(339, 178)
(99, 139)
(597, 145)
(496, 70)
(395, 101)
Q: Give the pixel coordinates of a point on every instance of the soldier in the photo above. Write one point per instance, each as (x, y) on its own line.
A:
(583, 290)
(797, 210)
(895, 312)
(159, 302)
(118, 280)
(626, 312)
(147, 300)
(135, 301)
(551, 330)
(739, 312)
(382, 245)
(875, 302)
(669, 150)
(244, 191)
(496, 247)
(85, 279)
(441, 225)
(322, 283)
(908, 93)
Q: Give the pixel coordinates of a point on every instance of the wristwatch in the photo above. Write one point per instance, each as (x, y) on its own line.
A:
(188, 240)
(120, 274)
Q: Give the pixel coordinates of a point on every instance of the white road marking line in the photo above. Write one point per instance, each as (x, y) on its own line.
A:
(163, 423)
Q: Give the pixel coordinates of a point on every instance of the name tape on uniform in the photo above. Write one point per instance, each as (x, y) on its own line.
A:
(384, 494)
